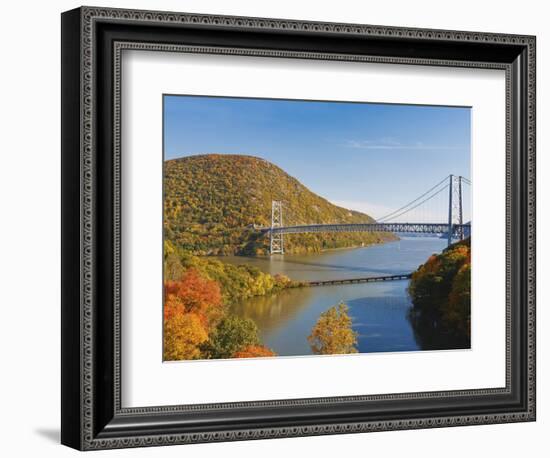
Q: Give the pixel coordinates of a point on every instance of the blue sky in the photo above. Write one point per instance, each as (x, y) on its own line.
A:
(369, 157)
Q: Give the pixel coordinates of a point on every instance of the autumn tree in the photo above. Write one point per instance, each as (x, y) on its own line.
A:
(333, 334)
(440, 292)
(254, 351)
(191, 307)
(232, 335)
(457, 313)
(198, 293)
(193, 294)
(183, 335)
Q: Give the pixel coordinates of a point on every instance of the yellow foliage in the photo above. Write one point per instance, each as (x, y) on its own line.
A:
(183, 334)
(332, 334)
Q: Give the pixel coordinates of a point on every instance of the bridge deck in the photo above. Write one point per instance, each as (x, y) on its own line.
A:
(425, 228)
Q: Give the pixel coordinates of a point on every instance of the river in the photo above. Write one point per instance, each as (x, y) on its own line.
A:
(378, 310)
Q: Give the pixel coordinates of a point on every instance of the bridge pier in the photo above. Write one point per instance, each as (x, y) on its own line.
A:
(455, 209)
(276, 238)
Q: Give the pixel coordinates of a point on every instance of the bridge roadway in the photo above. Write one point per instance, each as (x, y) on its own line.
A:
(418, 228)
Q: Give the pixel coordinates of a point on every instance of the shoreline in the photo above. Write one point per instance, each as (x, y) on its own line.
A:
(301, 253)
(306, 253)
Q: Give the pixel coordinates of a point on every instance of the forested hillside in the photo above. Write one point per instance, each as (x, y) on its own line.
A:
(212, 201)
(440, 291)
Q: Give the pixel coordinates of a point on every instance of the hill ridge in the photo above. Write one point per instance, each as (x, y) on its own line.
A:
(210, 198)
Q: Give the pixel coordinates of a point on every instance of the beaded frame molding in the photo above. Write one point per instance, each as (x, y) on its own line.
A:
(93, 40)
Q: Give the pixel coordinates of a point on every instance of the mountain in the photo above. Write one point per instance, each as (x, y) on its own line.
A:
(211, 202)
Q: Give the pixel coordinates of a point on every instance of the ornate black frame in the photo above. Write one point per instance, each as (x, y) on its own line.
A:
(92, 42)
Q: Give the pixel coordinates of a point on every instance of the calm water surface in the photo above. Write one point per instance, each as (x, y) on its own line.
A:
(378, 310)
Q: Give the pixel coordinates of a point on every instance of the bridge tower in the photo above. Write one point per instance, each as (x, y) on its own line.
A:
(455, 208)
(276, 242)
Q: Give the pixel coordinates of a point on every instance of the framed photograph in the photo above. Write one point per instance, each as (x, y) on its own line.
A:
(276, 228)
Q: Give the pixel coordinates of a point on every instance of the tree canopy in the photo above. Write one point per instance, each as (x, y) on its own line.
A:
(440, 292)
(333, 334)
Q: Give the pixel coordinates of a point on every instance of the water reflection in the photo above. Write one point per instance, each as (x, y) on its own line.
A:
(430, 337)
(274, 311)
(379, 310)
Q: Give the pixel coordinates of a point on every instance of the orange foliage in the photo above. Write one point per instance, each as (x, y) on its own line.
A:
(192, 293)
(183, 335)
(191, 306)
(254, 351)
(432, 264)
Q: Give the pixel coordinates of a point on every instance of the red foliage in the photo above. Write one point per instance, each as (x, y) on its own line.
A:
(193, 293)
(254, 351)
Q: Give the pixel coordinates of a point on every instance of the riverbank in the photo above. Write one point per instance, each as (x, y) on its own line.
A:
(379, 310)
(391, 237)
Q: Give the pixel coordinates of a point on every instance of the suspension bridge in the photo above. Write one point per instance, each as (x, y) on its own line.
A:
(438, 211)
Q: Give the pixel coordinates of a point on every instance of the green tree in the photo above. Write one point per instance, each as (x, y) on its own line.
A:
(232, 335)
(333, 334)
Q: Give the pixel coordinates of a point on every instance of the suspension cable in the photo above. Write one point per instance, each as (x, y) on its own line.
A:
(412, 202)
(420, 203)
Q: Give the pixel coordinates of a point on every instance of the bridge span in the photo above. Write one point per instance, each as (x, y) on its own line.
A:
(450, 224)
(414, 228)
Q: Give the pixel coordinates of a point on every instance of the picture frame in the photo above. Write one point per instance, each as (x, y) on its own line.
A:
(93, 416)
